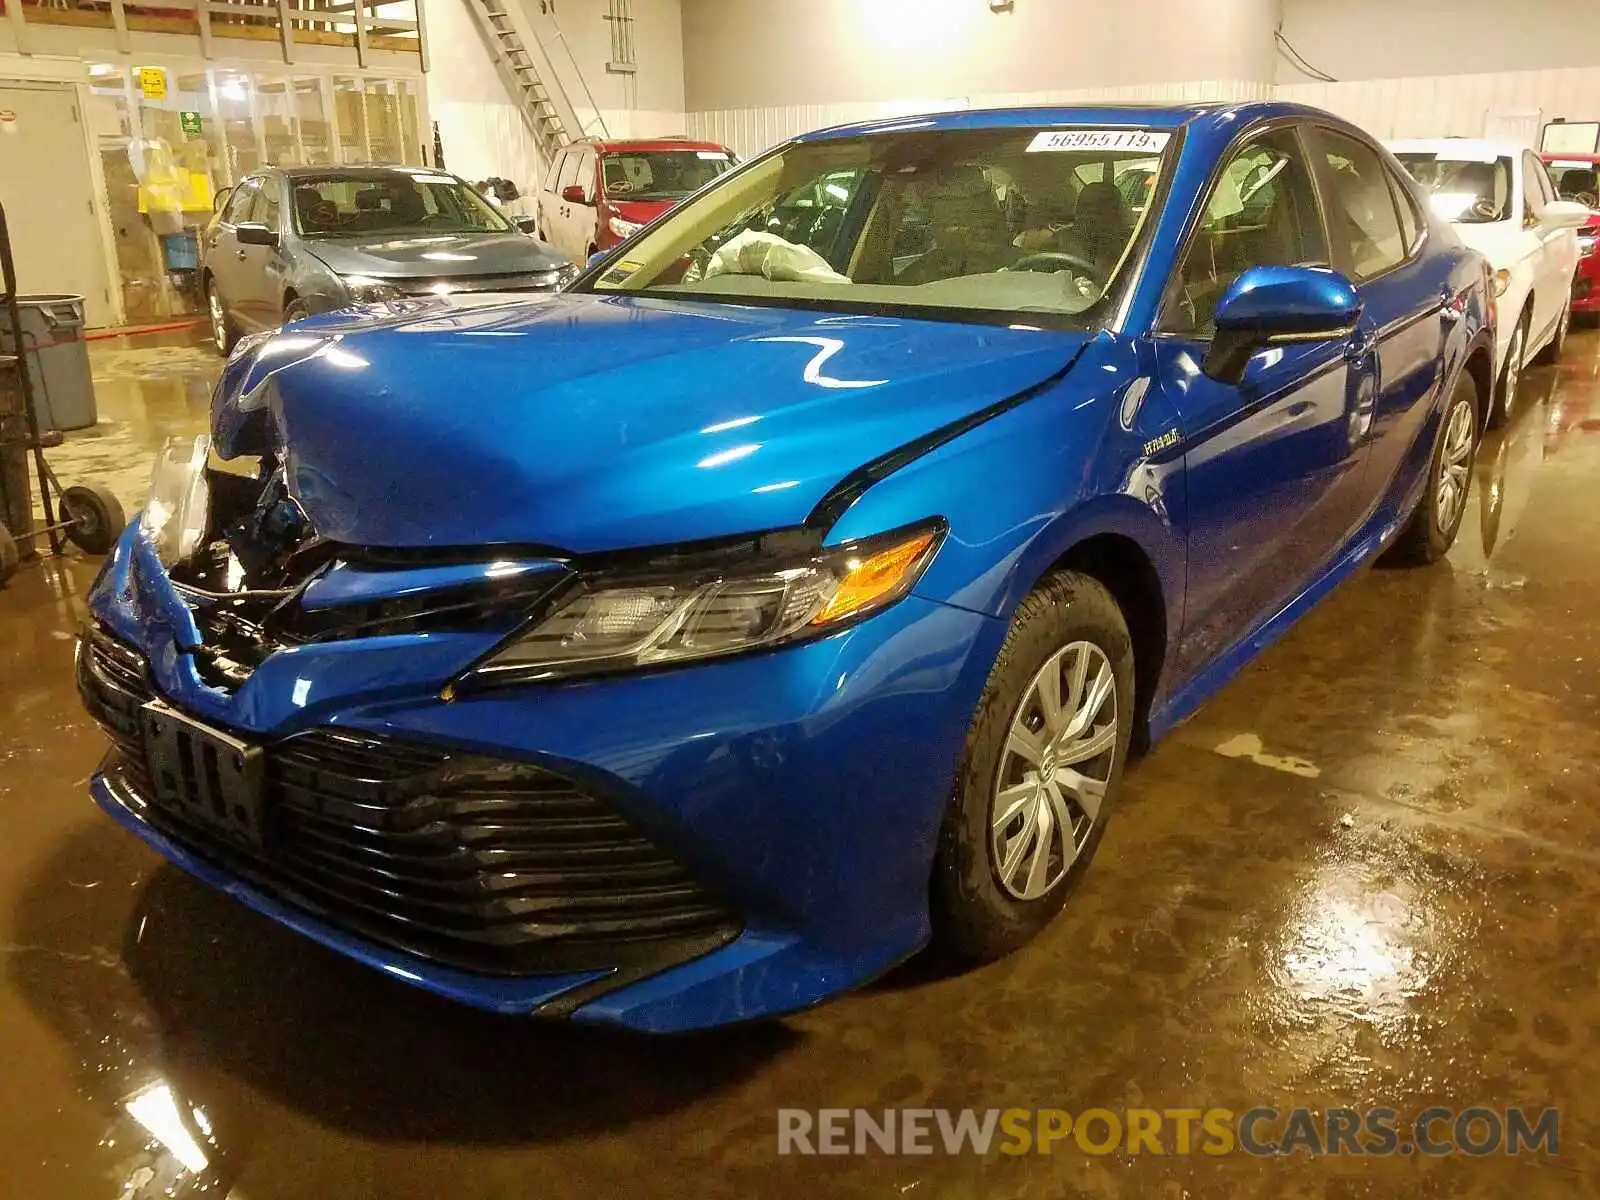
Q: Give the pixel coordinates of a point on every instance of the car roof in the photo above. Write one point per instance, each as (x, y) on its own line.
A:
(368, 171)
(624, 145)
(1214, 117)
(1466, 149)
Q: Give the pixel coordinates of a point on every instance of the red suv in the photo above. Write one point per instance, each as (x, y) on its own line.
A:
(1576, 178)
(597, 192)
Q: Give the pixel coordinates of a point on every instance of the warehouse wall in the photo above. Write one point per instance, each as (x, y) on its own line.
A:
(761, 53)
(758, 71)
(1429, 68)
(483, 132)
(1394, 39)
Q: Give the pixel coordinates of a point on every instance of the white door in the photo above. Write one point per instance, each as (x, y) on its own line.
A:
(49, 199)
(1559, 251)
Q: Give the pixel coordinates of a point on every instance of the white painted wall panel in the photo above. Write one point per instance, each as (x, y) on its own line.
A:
(751, 130)
(1452, 105)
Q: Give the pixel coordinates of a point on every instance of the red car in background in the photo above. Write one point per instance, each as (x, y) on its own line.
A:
(1577, 177)
(598, 191)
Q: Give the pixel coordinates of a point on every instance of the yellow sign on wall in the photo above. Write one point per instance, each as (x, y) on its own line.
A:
(153, 82)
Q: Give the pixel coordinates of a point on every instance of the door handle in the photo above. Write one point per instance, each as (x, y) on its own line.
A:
(240, 254)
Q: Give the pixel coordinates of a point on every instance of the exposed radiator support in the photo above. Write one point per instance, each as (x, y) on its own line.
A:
(533, 79)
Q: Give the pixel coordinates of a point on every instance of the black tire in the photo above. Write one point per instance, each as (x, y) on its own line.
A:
(96, 515)
(1509, 383)
(10, 556)
(223, 333)
(1424, 540)
(1551, 354)
(975, 918)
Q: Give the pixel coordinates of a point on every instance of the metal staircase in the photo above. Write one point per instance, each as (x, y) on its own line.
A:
(532, 76)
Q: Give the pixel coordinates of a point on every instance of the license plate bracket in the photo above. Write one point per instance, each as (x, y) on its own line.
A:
(204, 776)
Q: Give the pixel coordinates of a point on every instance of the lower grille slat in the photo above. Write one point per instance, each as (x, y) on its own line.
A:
(491, 866)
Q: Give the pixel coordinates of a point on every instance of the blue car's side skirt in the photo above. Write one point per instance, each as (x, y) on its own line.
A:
(1368, 543)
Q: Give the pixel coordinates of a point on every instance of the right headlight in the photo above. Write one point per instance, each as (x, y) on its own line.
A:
(623, 622)
(364, 289)
(178, 504)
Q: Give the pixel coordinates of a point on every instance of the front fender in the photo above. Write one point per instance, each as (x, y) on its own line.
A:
(1021, 489)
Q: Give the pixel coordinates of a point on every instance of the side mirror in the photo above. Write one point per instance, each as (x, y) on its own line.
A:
(221, 198)
(254, 233)
(1275, 306)
(573, 194)
(1564, 214)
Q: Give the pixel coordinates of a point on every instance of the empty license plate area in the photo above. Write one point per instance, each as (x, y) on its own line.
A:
(204, 776)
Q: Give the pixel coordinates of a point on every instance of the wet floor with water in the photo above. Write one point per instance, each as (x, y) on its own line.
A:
(1366, 875)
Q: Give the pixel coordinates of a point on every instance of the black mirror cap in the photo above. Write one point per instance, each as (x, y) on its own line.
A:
(254, 233)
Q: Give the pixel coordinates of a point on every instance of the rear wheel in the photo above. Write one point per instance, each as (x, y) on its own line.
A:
(1040, 771)
(1434, 525)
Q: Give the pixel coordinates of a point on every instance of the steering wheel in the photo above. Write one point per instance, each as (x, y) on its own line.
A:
(1052, 260)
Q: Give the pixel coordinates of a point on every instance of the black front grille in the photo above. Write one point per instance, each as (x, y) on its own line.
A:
(491, 866)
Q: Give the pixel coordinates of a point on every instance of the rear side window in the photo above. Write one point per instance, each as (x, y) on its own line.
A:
(1410, 219)
(1363, 222)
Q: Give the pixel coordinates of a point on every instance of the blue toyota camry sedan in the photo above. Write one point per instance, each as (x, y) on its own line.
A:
(789, 592)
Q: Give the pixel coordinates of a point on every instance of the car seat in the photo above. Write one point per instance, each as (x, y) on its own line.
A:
(316, 214)
(1101, 229)
(967, 226)
(407, 206)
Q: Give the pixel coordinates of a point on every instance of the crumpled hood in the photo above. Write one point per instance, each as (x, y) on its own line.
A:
(594, 423)
(391, 257)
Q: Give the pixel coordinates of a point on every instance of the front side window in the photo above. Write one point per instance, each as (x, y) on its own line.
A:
(1262, 211)
(661, 174)
(240, 201)
(1536, 189)
(404, 202)
(1471, 191)
(265, 210)
(992, 221)
(1362, 221)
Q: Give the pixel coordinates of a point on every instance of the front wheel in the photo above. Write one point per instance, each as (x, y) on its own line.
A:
(1505, 401)
(1040, 771)
(223, 335)
(1434, 525)
(1551, 354)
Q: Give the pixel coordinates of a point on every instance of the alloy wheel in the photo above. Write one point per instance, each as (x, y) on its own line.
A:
(219, 319)
(1455, 466)
(1054, 771)
(1513, 370)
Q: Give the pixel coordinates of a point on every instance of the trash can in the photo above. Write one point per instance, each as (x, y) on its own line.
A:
(58, 359)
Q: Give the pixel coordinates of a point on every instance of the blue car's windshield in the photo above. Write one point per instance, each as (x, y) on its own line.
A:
(394, 202)
(1022, 221)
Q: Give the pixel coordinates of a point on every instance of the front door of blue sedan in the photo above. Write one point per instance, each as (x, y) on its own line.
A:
(1274, 465)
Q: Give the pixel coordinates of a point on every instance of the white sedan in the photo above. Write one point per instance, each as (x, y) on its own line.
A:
(1501, 201)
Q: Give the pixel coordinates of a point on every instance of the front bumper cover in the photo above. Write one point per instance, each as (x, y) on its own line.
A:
(804, 787)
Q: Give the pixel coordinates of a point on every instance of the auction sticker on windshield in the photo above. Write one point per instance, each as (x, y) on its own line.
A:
(1145, 140)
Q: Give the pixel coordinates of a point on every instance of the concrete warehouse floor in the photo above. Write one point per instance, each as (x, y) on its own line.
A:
(1365, 875)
